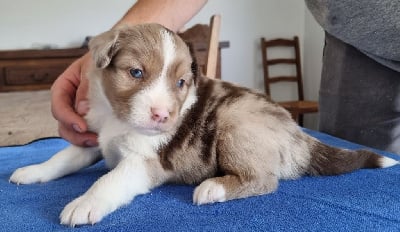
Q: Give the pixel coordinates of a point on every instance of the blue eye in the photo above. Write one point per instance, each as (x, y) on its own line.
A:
(180, 83)
(136, 73)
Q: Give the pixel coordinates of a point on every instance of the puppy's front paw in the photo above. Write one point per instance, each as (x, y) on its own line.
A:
(29, 175)
(85, 209)
(209, 192)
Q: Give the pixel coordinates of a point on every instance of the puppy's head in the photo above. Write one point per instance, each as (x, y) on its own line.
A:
(147, 75)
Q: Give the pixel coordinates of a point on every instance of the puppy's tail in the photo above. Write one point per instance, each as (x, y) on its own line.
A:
(327, 160)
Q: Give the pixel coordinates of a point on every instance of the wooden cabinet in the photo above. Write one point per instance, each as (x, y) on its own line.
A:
(34, 69)
(37, 69)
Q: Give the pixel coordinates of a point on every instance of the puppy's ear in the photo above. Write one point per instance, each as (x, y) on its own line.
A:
(104, 47)
(194, 66)
(195, 70)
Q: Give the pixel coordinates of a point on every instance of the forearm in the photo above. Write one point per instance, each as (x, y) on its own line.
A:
(172, 14)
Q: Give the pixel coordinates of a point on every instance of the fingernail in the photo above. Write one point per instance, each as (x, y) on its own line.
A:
(77, 128)
(82, 107)
(90, 143)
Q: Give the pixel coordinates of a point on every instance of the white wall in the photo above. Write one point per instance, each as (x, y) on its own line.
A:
(312, 65)
(26, 23)
(243, 24)
(59, 23)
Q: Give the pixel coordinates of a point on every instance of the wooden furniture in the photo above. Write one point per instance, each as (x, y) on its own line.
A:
(300, 106)
(37, 69)
(204, 40)
(213, 44)
(34, 69)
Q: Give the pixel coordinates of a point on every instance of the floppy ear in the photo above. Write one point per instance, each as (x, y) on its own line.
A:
(104, 47)
(194, 65)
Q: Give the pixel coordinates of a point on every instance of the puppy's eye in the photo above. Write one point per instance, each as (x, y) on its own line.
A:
(136, 73)
(180, 83)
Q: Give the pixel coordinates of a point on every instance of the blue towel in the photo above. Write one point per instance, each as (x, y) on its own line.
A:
(365, 200)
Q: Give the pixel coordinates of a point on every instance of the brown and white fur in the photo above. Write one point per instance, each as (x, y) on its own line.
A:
(167, 124)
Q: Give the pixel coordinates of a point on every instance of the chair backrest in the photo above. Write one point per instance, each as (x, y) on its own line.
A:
(213, 44)
(267, 62)
(204, 40)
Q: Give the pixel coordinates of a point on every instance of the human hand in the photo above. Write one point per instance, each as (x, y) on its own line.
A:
(69, 103)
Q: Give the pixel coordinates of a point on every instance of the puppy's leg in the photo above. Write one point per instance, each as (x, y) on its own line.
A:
(249, 168)
(231, 187)
(128, 179)
(65, 162)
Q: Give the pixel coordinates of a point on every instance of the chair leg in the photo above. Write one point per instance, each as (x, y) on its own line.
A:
(300, 120)
(295, 115)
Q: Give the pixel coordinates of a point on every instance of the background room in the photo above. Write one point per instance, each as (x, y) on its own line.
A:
(65, 24)
(40, 38)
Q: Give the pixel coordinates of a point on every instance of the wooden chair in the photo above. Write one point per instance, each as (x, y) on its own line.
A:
(204, 40)
(299, 107)
(213, 45)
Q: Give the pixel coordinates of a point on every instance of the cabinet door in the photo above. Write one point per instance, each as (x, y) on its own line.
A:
(34, 76)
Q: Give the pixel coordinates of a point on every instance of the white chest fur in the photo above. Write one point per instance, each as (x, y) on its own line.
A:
(118, 139)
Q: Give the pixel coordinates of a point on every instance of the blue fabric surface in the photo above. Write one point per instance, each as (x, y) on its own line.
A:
(365, 200)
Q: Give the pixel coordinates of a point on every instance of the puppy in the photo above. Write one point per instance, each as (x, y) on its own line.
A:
(159, 122)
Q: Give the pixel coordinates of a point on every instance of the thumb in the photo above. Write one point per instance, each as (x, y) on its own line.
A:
(81, 101)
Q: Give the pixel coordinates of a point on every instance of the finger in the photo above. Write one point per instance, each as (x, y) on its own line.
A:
(81, 103)
(82, 107)
(63, 98)
(87, 139)
(62, 110)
